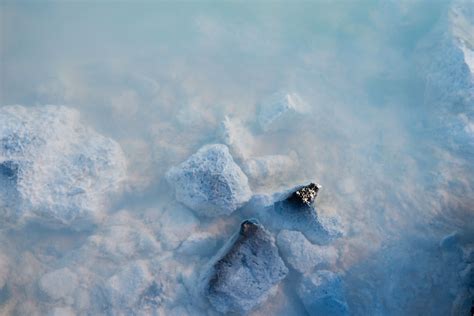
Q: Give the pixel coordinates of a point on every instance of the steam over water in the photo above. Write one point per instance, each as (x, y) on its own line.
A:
(383, 120)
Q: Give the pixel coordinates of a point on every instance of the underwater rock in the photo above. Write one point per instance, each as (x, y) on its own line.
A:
(199, 244)
(245, 271)
(294, 210)
(121, 237)
(467, 275)
(468, 254)
(239, 139)
(281, 111)
(54, 170)
(445, 59)
(175, 224)
(210, 182)
(302, 255)
(268, 169)
(128, 286)
(450, 242)
(59, 284)
(322, 294)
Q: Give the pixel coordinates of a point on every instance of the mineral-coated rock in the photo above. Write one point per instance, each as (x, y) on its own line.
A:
(294, 210)
(58, 284)
(281, 111)
(121, 237)
(246, 270)
(303, 256)
(128, 286)
(239, 139)
(54, 170)
(210, 182)
(322, 294)
(176, 223)
(268, 169)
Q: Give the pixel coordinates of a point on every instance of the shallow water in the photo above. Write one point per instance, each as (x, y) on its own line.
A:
(394, 158)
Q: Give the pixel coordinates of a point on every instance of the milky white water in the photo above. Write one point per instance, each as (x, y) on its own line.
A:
(387, 130)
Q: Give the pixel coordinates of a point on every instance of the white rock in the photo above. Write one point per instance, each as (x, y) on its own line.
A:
(53, 169)
(269, 168)
(125, 288)
(322, 294)
(446, 61)
(122, 237)
(210, 182)
(281, 111)
(58, 284)
(302, 255)
(176, 223)
(239, 139)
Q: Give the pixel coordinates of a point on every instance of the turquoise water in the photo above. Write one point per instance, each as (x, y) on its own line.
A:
(393, 155)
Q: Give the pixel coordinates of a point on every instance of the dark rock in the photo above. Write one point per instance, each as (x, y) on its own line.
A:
(245, 271)
(305, 195)
(295, 210)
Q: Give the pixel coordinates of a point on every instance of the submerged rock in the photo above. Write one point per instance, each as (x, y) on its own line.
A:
(126, 288)
(280, 111)
(122, 237)
(322, 294)
(54, 170)
(445, 59)
(303, 256)
(239, 139)
(59, 284)
(246, 271)
(294, 210)
(210, 182)
(269, 169)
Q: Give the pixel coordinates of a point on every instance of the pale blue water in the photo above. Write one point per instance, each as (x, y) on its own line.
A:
(396, 165)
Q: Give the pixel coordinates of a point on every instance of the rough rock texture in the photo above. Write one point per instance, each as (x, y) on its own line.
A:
(303, 256)
(53, 169)
(281, 111)
(210, 182)
(294, 210)
(446, 62)
(246, 270)
(322, 294)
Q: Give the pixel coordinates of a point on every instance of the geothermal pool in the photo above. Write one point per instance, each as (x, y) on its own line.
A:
(256, 158)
